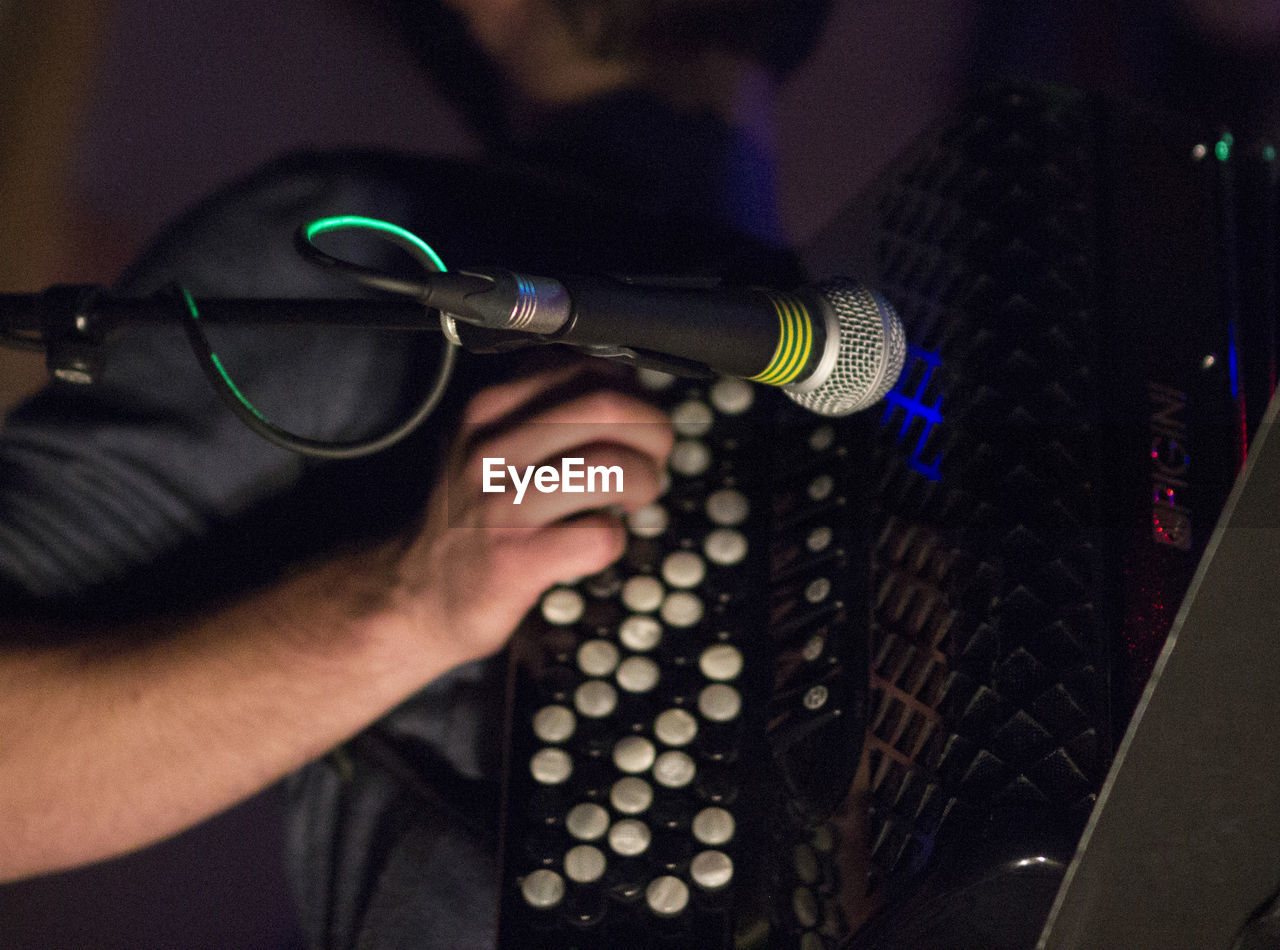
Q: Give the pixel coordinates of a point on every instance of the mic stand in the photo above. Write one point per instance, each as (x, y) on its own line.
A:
(70, 321)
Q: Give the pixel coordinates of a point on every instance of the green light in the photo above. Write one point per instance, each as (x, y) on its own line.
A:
(213, 357)
(1223, 149)
(217, 363)
(1269, 153)
(344, 222)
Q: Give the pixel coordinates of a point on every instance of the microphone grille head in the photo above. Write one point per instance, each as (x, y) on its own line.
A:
(872, 348)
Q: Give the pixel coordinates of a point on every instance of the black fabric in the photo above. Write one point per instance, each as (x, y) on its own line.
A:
(143, 494)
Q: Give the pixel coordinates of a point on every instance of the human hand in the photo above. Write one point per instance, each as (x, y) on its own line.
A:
(482, 557)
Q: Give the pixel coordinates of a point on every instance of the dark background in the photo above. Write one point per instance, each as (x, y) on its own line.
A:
(115, 115)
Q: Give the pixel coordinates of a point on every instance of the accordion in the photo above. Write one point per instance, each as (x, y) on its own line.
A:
(857, 683)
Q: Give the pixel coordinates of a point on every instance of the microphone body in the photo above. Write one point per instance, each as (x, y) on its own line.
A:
(834, 348)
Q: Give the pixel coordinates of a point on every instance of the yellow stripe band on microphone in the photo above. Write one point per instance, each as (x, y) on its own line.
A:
(795, 342)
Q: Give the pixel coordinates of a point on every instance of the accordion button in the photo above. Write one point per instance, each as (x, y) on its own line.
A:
(587, 821)
(642, 594)
(648, 522)
(554, 723)
(822, 438)
(714, 826)
(638, 674)
(629, 837)
(584, 863)
(821, 488)
(819, 539)
(562, 606)
(675, 727)
(631, 795)
(634, 754)
(817, 590)
(595, 699)
(732, 396)
(683, 569)
(674, 769)
(690, 458)
(823, 839)
(542, 889)
(711, 870)
(728, 507)
(597, 658)
(725, 546)
(655, 380)
(719, 703)
(805, 906)
(640, 633)
(682, 609)
(693, 418)
(814, 647)
(721, 661)
(551, 766)
(667, 896)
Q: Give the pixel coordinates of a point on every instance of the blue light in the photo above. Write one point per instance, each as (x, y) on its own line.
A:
(913, 407)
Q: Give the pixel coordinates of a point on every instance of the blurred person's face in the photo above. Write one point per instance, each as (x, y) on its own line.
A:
(540, 55)
(495, 24)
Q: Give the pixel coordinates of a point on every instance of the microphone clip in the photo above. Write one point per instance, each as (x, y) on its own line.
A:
(71, 332)
(486, 341)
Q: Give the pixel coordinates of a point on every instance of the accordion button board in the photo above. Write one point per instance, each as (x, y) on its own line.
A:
(685, 727)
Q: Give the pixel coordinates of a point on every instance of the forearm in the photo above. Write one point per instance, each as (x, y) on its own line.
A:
(127, 738)
(131, 736)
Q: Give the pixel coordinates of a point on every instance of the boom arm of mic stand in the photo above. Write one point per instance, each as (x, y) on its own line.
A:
(69, 321)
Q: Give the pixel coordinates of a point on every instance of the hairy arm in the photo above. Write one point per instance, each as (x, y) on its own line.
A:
(132, 735)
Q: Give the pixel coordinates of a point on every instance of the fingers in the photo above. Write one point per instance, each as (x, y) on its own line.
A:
(478, 594)
(604, 416)
(595, 449)
(600, 476)
(491, 405)
(577, 548)
(537, 475)
(564, 550)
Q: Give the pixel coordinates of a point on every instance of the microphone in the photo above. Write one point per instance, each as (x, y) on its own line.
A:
(834, 347)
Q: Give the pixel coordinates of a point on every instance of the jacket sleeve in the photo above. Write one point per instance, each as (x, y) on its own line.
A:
(100, 481)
